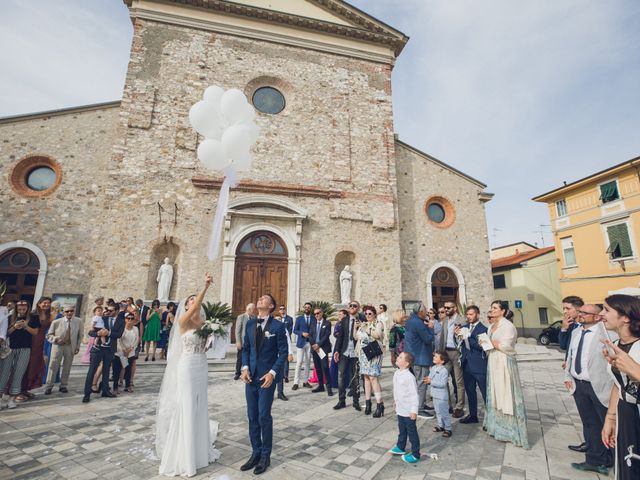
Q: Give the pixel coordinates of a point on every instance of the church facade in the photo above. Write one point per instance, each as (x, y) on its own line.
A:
(96, 197)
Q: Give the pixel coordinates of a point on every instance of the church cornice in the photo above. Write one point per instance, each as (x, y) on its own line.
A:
(368, 29)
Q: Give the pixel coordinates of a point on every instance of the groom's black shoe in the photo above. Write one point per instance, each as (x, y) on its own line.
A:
(262, 465)
(339, 405)
(252, 462)
(317, 390)
(282, 396)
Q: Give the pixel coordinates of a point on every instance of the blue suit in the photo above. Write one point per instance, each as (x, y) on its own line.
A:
(300, 328)
(439, 376)
(418, 340)
(564, 338)
(474, 368)
(269, 355)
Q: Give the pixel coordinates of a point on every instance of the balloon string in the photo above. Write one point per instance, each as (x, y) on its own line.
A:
(231, 179)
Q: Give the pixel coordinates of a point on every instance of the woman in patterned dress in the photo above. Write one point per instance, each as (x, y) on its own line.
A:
(371, 331)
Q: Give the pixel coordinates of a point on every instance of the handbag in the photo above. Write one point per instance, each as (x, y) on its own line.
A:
(372, 350)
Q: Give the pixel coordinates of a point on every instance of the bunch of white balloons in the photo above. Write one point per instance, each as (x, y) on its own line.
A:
(225, 119)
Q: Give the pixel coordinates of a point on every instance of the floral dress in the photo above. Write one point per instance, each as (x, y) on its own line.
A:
(370, 332)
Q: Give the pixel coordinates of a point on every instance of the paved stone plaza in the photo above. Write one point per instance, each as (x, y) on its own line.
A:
(59, 437)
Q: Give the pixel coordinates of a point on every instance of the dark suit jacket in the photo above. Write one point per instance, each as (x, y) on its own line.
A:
(144, 313)
(115, 333)
(299, 328)
(564, 338)
(342, 340)
(273, 350)
(325, 333)
(474, 358)
(288, 322)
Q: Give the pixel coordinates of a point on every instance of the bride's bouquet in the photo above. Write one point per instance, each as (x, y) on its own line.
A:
(217, 317)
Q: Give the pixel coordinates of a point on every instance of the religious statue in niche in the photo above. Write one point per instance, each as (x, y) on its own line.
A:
(346, 278)
(164, 278)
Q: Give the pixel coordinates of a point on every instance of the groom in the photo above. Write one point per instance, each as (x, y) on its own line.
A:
(264, 352)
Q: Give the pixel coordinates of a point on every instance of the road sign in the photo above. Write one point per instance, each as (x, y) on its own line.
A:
(518, 303)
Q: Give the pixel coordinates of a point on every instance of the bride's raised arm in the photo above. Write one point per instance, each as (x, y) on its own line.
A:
(194, 309)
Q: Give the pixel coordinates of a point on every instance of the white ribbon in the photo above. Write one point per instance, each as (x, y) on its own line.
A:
(231, 179)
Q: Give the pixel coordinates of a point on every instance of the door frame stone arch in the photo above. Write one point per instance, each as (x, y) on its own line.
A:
(42, 270)
(229, 262)
(462, 291)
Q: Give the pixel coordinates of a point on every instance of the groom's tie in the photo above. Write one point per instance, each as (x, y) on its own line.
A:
(259, 332)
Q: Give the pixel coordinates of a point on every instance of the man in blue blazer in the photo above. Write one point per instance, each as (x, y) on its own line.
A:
(473, 360)
(319, 333)
(288, 323)
(303, 347)
(264, 351)
(418, 341)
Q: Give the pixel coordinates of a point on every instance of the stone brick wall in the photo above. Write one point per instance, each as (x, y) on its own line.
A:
(63, 223)
(463, 244)
(336, 132)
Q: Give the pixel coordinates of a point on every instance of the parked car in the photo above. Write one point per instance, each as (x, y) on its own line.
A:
(550, 334)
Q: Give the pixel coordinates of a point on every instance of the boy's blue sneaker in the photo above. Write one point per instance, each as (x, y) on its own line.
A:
(409, 458)
(397, 451)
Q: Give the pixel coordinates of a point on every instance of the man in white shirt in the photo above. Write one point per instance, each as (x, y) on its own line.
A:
(587, 378)
(448, 344)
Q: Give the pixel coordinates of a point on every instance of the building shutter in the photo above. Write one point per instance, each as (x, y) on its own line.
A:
(609, 192)
(619, 241)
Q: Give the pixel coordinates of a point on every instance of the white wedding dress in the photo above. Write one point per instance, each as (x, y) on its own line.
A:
(184, 433)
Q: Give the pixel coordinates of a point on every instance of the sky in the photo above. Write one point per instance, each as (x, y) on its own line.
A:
(521, 95)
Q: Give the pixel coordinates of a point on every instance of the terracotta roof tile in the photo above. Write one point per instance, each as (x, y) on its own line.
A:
(519, 257)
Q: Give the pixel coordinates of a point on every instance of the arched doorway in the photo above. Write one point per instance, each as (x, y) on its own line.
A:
(444, 287)
(261, 267)
(19, 269)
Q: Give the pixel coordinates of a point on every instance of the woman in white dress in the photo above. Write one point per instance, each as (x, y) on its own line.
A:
(184, 433)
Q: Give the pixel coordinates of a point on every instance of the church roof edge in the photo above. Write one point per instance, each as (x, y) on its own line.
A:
(59, 111)
(441, 163)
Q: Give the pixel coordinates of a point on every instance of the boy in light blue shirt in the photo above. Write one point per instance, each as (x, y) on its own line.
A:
(439, 380)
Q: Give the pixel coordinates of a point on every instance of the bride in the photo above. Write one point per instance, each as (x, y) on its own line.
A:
(184, 440)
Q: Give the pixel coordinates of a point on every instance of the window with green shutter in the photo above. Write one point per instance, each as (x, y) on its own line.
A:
(619, 241)
(609, 192)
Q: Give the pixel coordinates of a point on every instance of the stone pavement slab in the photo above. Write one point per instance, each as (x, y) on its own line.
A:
(58, 437)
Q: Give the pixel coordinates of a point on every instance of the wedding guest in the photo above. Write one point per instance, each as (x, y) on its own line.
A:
(371, 332)
(281, 395)
(288, 323)
(418, 341)
(319, 333)
(103, 353)
(166, 323)
(344, 353)
(622, 424)
(439, 380)
(143, 313)
(474, 362)
(334, 368)
(125, 354)
(35, 371)
(448, 344)
(240, 329)
(588, 380)
(152, 331)
(396, 335)
(96, 320)
(65, 336)
(570, 307)
(56, 312)
(437, 326)
(303, 347)
(383, 316)
(22, 328)
(505, 416)
(405, 396)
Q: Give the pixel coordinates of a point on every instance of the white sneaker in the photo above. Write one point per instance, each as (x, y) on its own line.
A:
(12, 403)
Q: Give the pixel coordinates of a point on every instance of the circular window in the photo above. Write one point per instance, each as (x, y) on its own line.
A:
(41, 178)
(435, 212)
(19, 259)
(35, 176)
(440, 212)
(268, 100)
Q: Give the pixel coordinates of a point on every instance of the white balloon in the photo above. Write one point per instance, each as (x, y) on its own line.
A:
(213, 94)
(243, 163)
(233, 106)
(205, 119)
(236, 141)
(212, 156)
(253, 131)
